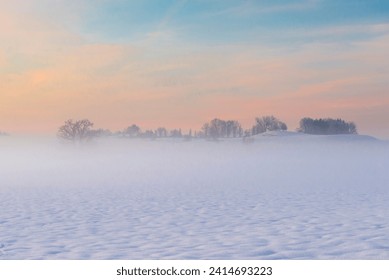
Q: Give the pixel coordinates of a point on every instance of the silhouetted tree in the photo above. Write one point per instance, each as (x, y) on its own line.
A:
(148, 134)
(161, 132)
(205, 130)
(267, 123)
(200, 134)
(326, 126)
(132, 131)
(233, 129)
(352, 128)
(77, 131)
(219, 128)
(176, 133)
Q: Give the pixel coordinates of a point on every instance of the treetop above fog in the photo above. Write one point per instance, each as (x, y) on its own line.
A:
(326, 126)
(81, 130)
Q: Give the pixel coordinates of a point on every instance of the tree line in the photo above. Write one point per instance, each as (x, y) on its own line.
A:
(327, 126)
(82, 130)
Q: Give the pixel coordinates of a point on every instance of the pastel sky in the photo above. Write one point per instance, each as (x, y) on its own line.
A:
(178, 63)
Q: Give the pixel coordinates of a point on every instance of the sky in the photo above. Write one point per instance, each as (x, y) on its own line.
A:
(181, 63)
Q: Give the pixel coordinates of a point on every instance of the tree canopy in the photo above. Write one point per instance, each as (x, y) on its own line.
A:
(220, 128)
(77, 131)
(267, 123)
(326, 126)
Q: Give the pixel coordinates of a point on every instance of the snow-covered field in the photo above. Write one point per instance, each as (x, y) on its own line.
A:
(283, 196)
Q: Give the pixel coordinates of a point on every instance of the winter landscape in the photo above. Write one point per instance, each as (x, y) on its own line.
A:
(284, 195)
(192, 129)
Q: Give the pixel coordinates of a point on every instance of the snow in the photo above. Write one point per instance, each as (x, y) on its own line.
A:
(289, 196)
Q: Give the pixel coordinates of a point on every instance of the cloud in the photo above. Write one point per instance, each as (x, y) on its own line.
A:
(51, 73)
(115, 84)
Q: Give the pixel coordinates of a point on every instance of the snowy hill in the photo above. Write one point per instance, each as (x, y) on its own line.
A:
(310, 137)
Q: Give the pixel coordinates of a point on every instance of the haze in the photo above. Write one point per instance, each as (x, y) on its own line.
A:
(282, 196)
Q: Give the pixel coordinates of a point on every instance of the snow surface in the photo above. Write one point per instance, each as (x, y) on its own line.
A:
(288, 196)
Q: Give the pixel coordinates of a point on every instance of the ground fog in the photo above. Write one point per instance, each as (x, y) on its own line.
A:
(282, 196)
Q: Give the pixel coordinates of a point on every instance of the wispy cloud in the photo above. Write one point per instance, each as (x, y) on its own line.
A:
(51, 71)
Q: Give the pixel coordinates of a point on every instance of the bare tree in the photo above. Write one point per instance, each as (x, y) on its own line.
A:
(220, 128)
(76, 131)
(267, 123)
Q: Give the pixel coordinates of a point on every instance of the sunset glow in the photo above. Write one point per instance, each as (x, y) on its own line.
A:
(182, 63)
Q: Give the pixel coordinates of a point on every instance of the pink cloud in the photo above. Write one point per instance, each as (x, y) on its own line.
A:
(51, 74)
